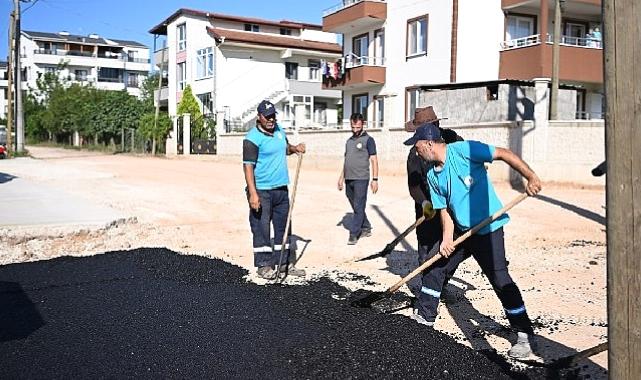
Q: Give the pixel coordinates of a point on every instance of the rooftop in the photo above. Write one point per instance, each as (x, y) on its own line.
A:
(161, 28)
(273, 40)
(80, 39)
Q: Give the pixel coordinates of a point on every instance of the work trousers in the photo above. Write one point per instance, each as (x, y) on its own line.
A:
(274, 206)
(489, 252)
(356, 191)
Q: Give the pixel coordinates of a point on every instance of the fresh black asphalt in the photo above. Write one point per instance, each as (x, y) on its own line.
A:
(152, 313)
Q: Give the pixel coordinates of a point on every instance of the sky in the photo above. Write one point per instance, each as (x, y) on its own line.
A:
(132, 19)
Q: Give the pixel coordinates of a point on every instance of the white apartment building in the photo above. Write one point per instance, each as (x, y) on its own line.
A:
(392, 48)
(4, 89)
(106, 63)
(232, 63)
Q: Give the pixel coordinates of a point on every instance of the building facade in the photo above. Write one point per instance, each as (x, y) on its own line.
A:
(4, 90)
(232, 63)
(105, 63)
(393, 48)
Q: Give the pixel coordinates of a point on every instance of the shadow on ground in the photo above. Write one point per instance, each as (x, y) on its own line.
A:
(474, 325)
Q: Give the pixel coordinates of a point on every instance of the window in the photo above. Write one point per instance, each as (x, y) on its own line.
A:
(251, 28)
(285, 31)
(207, 102)
(132, 80)
(50, 69)
(379, 111)
(182, 37)
(320, 113)
(204, 63)
(411, 100)
(181, 75)
(359, 104)
(379, 46)
(417, 36)
(314, 69)
(519, 27)
(291, 70)
(81, 75)
(492, 92)
(108, 74)
(360, 45)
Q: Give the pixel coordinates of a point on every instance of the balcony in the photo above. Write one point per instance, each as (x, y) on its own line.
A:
(580, 59)
(354, 14)
(508, 4)
(161, 95)
(161, 56)
(360, 72)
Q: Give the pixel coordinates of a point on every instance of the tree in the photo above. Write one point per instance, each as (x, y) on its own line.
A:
(149, 86)
(153, 130)
(188, 104)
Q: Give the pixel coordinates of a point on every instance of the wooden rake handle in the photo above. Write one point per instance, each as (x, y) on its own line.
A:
(458, 241)
(289, 212)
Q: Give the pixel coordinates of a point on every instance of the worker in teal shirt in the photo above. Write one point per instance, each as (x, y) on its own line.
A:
(459, 183)
(265, 150)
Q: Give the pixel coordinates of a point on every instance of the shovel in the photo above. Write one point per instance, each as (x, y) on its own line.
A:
(289, 218)
(388, 248)
(368, 299)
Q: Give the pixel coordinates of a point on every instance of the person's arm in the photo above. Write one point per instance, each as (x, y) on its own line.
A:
(254, 199)
(533, 182)
(415, 178)
(374, 162)
(341, 178)
(447, 243)
(250, 157)
(299, 148)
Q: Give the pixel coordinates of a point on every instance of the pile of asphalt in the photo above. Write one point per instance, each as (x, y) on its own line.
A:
(154, 313)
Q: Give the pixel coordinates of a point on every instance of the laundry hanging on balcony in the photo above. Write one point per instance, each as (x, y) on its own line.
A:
(334, 70)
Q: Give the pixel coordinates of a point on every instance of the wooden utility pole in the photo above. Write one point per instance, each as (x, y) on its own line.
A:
(623, 184)
(10, 87)
(556, 50)
(18, 78)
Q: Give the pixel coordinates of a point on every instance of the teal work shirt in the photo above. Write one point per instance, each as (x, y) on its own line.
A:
(268, 154)
(463, 186)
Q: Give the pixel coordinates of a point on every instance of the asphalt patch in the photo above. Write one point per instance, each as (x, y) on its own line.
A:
(152, 313)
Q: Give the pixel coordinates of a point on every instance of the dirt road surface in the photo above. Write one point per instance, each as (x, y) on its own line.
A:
(555, 243)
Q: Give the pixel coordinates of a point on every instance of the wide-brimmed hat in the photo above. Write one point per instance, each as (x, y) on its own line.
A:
(421, 116)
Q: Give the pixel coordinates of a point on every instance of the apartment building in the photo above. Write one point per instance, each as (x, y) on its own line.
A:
(106, 63)
(526, 51)
(4, 91)
(393, 48)
(234, 62)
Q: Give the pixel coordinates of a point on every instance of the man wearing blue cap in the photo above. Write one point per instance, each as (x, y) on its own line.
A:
(459, 183)
(265, 166)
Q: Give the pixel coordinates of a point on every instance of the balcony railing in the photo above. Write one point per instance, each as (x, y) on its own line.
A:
(132, 83)
(110, 80)
(352, 60)
(578, 41)
(534, 39)
(138, 60)
(344, 4)
(80, 53)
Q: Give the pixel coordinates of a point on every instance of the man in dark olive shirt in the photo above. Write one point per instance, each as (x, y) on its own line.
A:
(429, 233)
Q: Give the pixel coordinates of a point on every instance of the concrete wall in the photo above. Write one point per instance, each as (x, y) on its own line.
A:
(471, 105)
(557, 160)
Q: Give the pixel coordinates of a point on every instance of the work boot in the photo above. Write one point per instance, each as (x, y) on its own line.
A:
(267, 272)
(523, 348)
(367, 232)
(352, 239)
(291, 270)
(419, 318)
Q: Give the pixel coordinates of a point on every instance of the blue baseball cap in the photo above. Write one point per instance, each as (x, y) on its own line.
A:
(426, 131)
(266, 108)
